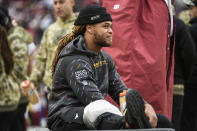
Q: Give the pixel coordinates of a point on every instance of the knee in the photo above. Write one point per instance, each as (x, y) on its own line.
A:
(94, 110)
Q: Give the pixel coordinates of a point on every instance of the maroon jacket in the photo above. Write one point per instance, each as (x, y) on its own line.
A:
(141, 49)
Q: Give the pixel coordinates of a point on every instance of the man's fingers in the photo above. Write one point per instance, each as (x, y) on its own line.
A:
(153, 121)
(150, 113)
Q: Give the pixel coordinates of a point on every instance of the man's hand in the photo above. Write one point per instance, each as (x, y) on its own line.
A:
(150, 113)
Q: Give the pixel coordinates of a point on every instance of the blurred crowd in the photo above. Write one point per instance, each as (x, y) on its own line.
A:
(36, 15)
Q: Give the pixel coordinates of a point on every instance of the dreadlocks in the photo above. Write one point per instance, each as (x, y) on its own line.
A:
(5, 51)
(76, 31)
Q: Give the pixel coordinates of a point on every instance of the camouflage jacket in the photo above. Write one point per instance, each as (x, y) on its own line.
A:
(41, 72)
(19, 39)
(10, 92)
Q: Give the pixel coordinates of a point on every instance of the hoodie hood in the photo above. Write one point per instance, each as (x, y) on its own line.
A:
(76, 46)
(193, 20)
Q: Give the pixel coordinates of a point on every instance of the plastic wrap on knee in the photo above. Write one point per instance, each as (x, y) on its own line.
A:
(93, 110)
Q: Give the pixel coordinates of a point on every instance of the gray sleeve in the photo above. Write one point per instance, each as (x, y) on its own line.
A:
(116, 85)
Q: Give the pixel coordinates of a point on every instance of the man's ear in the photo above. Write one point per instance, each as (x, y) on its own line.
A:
(89, 29)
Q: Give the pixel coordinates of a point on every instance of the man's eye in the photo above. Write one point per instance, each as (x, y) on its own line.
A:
(106, 26)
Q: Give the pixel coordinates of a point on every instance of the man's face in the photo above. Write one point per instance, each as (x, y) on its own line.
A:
(63, 8)
(103, 33)
(193, 12)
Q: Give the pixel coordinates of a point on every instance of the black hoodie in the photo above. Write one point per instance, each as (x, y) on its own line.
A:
(184, 53)
(192, 83)
(82, 76)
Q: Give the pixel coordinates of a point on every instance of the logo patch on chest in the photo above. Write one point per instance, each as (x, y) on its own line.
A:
(81, 74)
(100, 63)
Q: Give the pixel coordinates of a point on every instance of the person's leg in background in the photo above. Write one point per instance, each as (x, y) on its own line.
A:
(20, 123)
(21, 115)
(7, 119)
(188, 120)
(178, 95)
(177, 111)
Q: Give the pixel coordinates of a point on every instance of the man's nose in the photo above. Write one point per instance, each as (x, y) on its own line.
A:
(110, 30)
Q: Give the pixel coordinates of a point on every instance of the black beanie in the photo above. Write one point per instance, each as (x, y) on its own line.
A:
(92, 14)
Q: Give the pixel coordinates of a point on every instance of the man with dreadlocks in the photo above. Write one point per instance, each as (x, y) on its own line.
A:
(82, 77)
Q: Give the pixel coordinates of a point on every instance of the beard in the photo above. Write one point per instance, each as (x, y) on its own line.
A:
(99, 40)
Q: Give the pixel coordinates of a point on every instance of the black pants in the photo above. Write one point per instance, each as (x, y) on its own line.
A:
(177, 111)
(14, 120)
(20, 124)
(7, 119)
(189, 115)
(108, 122)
